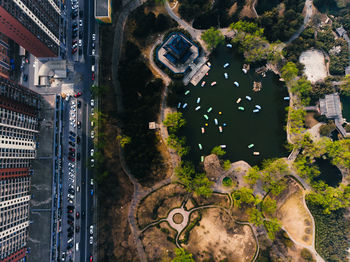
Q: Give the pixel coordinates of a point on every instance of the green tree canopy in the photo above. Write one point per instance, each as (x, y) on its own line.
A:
(178, 144)
(244, 195)
(181, 255)
(218, 151)
(174, 121)
(256, 217)
(302, 88)
(272, 227)
(289, 71)
(212, 37)
(269, 205)
(123, 140)
(252, 175)
(345, 87)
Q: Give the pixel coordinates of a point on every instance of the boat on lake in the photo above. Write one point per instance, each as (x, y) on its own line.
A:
(245, 70)
(258, 107)
(239, 100)
(203, 84)
(209, 64)
(226, 65)
(226, 75)
(209, 109)
(187, 92)
(216, 121)
(224, 124)
(286, 98)
(213, 83)
(229, 45)
(241, 108)
(248, 98)
(203, 130)
(197, 108)
(256, 153)
(200, 146)
(223, 146)
(184, 106)
(256, 110)
(251, 145)
(179, 105)
(236, 83)
(198, 100)
(206, 117)
(202, 158)
(220, 129)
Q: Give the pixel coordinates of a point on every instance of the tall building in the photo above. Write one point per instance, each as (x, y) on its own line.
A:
(103, 11)
(35, 25)
(19, 110)
(4, 56)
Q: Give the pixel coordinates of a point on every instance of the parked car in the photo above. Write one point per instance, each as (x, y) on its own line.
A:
(77, 229)
(70, 201)
(71, 143)
(93, 76)
(78, 94)
(70, 207)
(70, 196)
(78, 139)
(92, 192)
(92, 152)
(71, 165)
(91, 241)
(71, 179)
(91, 229)
(80, 22)
(72, 138)
(92, 162)
(92, 102)
(72, 133)
(92, 134)
(70, 222)
(77, 215)
(93, 52)
(71, 149)
(79, 103)
(93, 37)
(79, 126)
(80, 42)
(71, 191)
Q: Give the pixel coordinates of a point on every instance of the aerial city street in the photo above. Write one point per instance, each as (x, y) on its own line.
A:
(174, 130)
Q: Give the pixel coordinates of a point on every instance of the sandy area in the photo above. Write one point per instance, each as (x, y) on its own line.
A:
(219, 238)
(315, 68)
(294, 217)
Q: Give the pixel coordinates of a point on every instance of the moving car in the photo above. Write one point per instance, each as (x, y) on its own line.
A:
(92, 152)
(80, 42)
(91, 229)
(77, 215)
(92, 134)
(79, 104)
(93, 37)
(91, 241)
(78, 94)
(92, 162)
(92, 181)
(79, 126)
(92, 102)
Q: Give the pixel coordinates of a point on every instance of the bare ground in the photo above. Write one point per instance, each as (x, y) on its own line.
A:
(219, 238)
(215, 198)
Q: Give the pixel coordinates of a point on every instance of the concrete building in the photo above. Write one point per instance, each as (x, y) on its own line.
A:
(35, 25)
(4, 56)
(19, 110)
(103, 11)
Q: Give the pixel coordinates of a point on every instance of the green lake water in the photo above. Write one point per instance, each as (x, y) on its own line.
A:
(265, 129)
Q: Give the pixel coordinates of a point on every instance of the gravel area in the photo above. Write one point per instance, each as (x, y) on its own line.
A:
(315, 68)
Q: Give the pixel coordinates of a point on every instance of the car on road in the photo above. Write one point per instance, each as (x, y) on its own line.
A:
(93, 37)
(91, 229)
(78, 94)
(92, 152)
(70, 217)
(92, 102)
(72, 154)
(92, 192)
(74, 46)
(75, 29)
(72, 124)
(77, 215)
(80, 51)
(70, 196)
(70, 234)
(92, 134)
(93, 45)
(75, 24)
(92, 111)
(70, 210)
(70, 201)
(25, 77)
(74, 41)
(93, 52)
(92, 162)
(79, 125)
(90, 258)
(79, 104)
(74, 14)
(80, 22)
(71, 186)
(80, 42)
(91, 241)
(92, 181)
(93, 76)
(77, 229)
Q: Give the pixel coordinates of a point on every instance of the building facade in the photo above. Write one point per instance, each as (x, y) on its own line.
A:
(19, 112)
(35, 25)
(4, 56)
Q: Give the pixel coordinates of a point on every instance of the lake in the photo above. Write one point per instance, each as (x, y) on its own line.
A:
(265, 129)
(330, 174)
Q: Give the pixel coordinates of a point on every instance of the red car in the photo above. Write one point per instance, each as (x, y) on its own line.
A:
(71, 149)
(78, 94)
(77, 215)
(93, 76)
(90, 258)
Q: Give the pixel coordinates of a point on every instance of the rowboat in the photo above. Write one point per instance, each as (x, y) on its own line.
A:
(286, 98)
(224, 124)
(251, 145)
(255, 110)
(203, 130)
(209, 64)
(226, 65)
(258, 107)
(203, 83)
(223, 146)
(241, 108)
(216, 121)
(238, 100)
(236, 83)
(206, 117)
(245, 70)
(187, 92)
(184, 106)
(202, 158)
(179, 105)
(256, 153)
(213, 83)
(248, 98)
(200, 146)
(209, 109)
(198, 100)
(226, 75)
(229, 45)
(220, 129)
(197, 108)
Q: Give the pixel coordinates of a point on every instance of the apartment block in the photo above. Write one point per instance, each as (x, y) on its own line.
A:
(4, 56)
(19, 112)
(35, 25)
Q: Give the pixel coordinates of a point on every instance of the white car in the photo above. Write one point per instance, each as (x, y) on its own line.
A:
(80, 42)
(71, 179)
(92, 152)
(92, 111)
(93, 37)
(92, 181)
(72, 120)
(92, 134)
(73, 109)
(73, 124)
(93, 52)
(91, 240)
(91, 229)
(72, 114)
(72, 103)
(80, 22)
(70, 164)
(92, 102)
(92, 162)
(70, 196)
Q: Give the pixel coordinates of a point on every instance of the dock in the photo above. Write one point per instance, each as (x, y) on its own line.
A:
(199, 74)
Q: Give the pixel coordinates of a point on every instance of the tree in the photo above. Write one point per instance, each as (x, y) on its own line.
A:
(272, 226)
(174, 121)
(123, 140)
(212, 37)
(218, 151)
(226, 165)
(327, 129)
(201, 185)
(252, 175)
(244, 195)
(269, 205)
(181, 255)
(289, 71)
(256, 217)
(178, 144)
(302, 88)
(345, 87)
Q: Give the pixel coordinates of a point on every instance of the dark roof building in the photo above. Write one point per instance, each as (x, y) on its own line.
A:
(178, 49)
